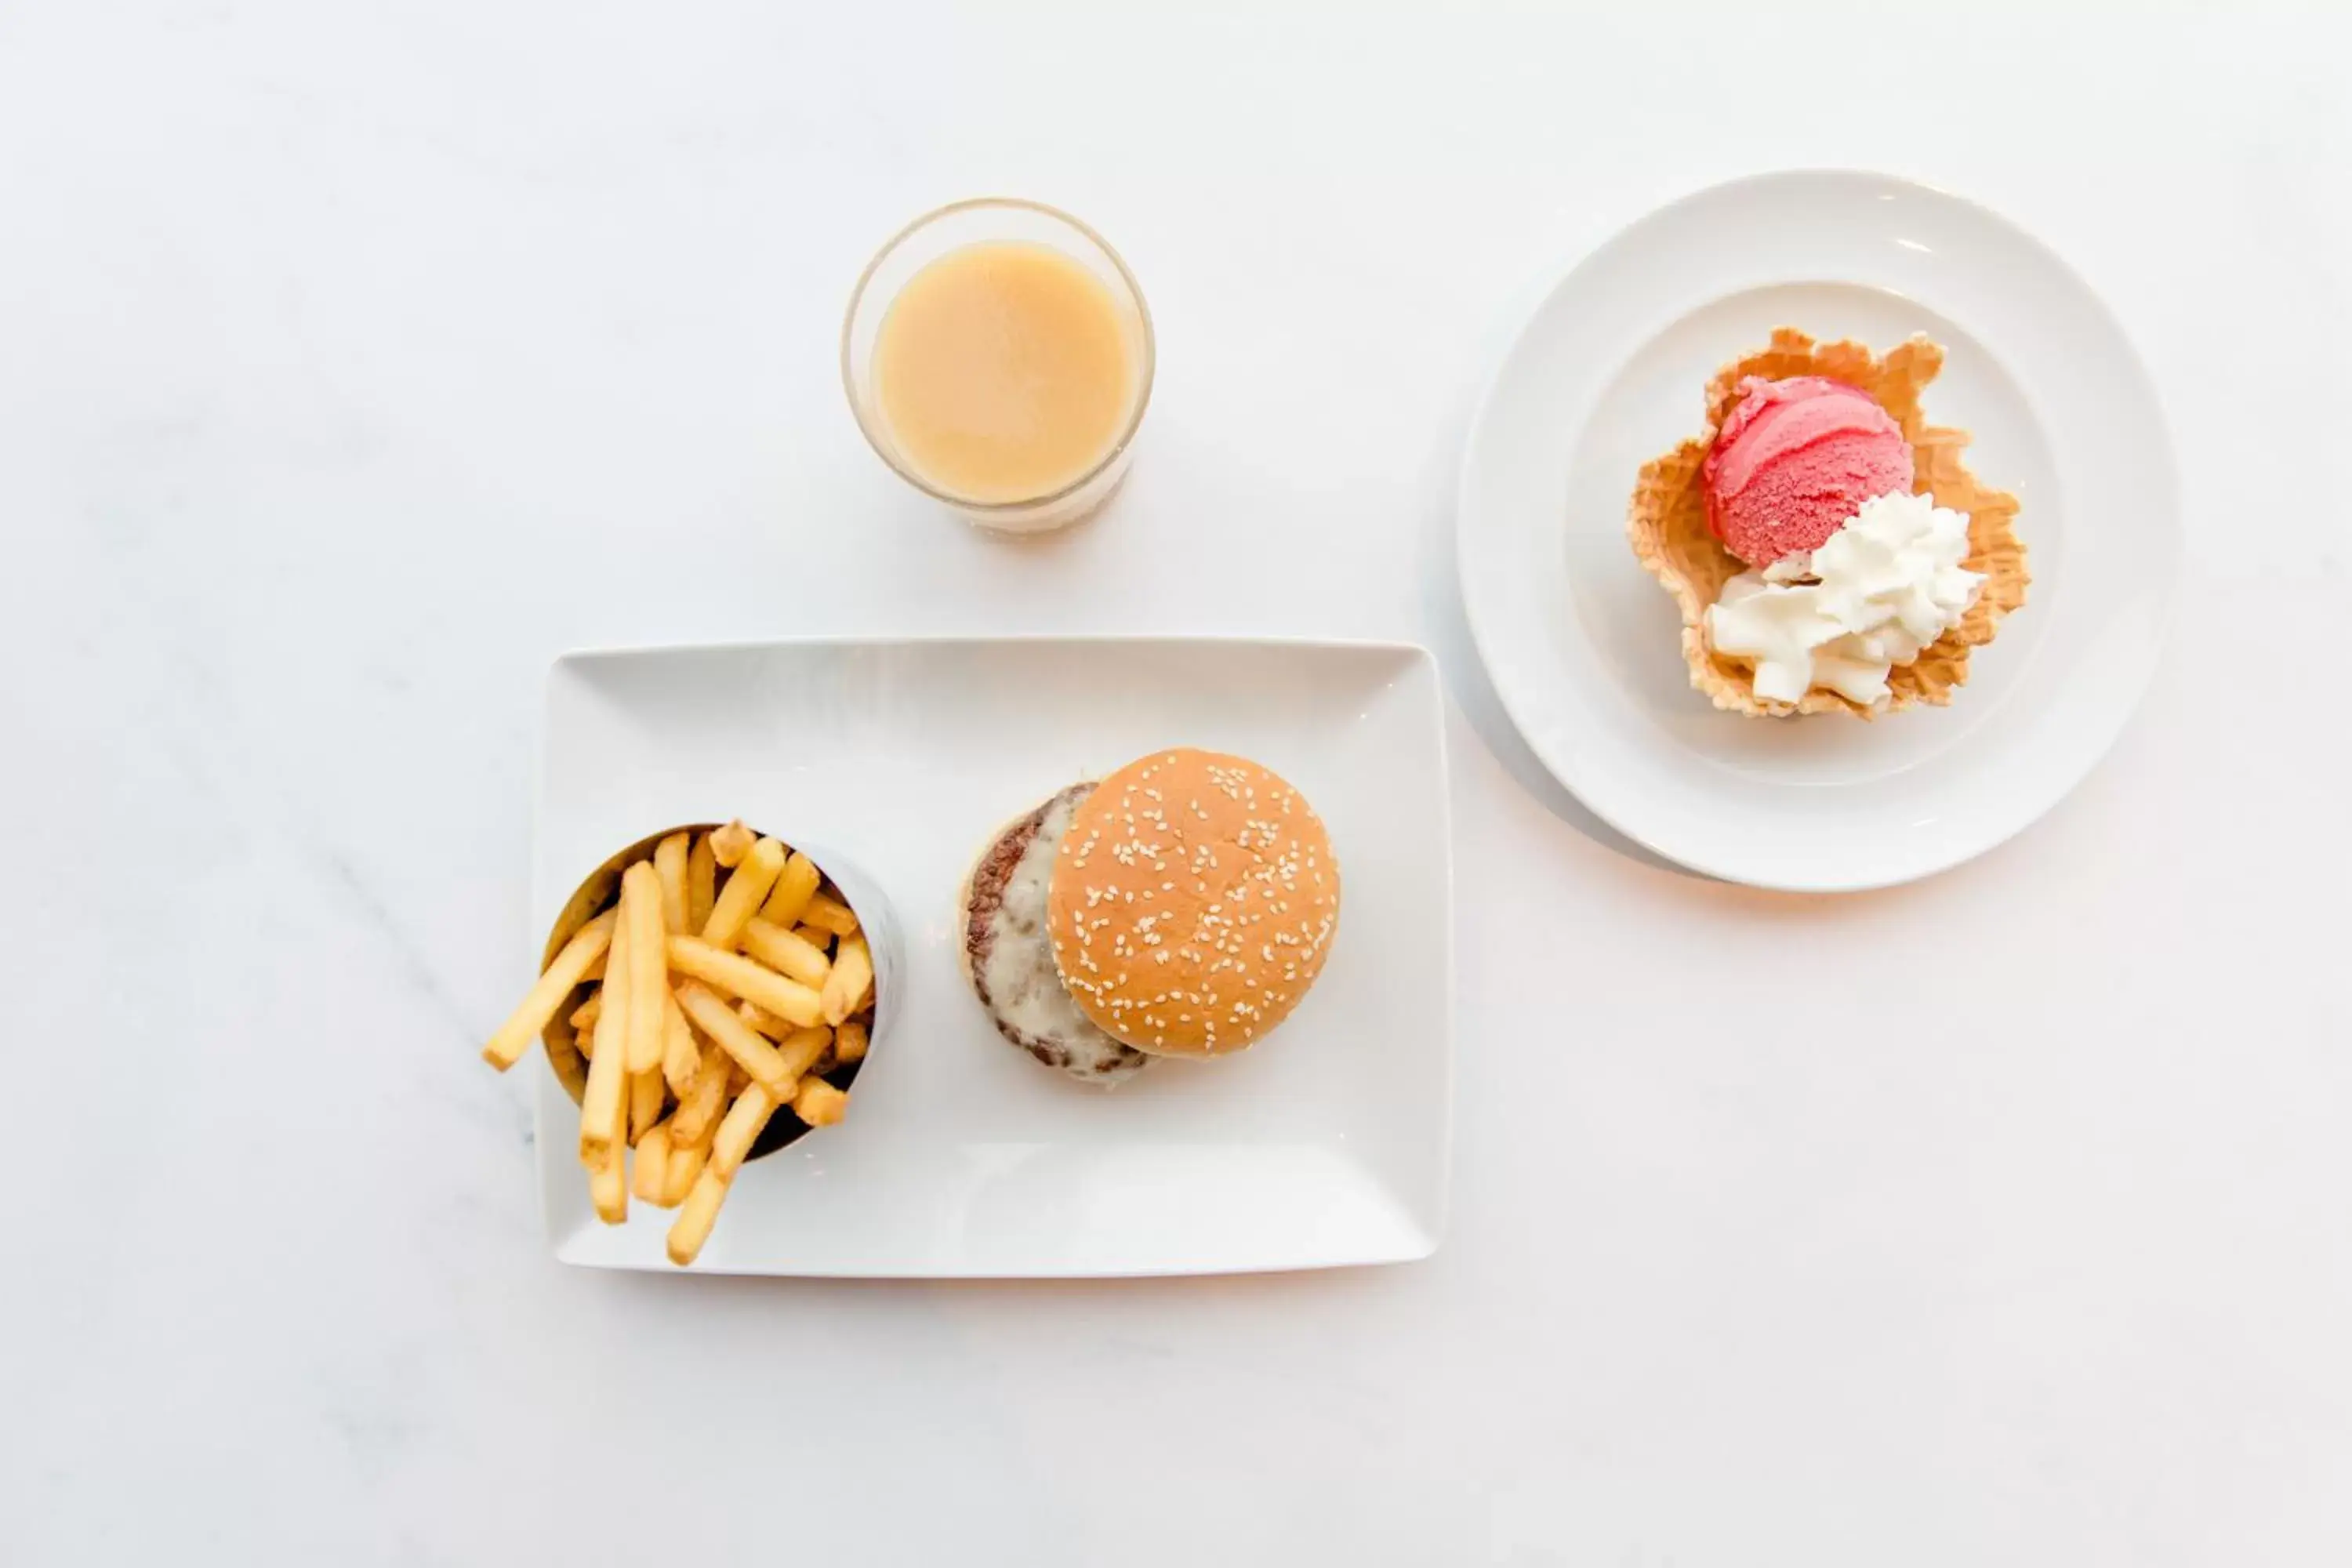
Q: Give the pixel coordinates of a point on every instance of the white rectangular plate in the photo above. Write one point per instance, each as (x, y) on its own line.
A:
(1326, 1144)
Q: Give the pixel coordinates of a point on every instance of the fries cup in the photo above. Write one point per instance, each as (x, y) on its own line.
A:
(843, 881)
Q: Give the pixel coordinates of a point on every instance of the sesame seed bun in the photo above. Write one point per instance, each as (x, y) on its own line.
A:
(1192, 903)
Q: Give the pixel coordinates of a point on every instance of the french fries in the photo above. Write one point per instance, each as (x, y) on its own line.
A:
(608, 1189)
(844, 985)
(648, 965)
(681, 1058)
(686, 1160)
(741, 1128)
(603, 1105)
(701, 882)
(700, 1108)
(793, 957)
(729, 844)
(760, 1018)
(648, 1094)
(825, 914)
(670, 869)
(749, 1048)
(704, 1005)
(696, 1216)
(745, 980)
(571, 966)
(794, 889)
(800, 1049)
(739, 900)
(818, 1103)
(650, 1179)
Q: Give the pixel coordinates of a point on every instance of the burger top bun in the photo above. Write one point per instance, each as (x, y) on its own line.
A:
(1192, 903)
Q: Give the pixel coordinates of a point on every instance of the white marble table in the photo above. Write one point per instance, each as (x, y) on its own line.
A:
(356, 359)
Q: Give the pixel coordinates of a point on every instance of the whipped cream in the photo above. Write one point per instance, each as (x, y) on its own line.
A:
(1878, 591)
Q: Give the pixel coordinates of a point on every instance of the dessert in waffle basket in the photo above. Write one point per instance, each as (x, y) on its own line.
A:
(1828, 548)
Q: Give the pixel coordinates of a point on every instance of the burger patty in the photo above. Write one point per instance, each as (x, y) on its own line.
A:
(1009, 952)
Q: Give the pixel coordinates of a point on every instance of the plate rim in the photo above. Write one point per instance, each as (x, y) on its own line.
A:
(1424, 1232)
(2162, 456)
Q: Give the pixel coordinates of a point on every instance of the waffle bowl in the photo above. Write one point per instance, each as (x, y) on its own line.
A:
(1666, 523)
(600, 890)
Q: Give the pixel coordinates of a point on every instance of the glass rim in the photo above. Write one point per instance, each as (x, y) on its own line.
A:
(856, 405)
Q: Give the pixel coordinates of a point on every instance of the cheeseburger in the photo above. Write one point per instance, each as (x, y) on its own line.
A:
(1181, 908)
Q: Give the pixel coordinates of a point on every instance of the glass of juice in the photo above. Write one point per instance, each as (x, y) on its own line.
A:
(998, 354)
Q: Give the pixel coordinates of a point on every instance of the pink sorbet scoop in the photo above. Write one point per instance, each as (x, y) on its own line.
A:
(1795, 461)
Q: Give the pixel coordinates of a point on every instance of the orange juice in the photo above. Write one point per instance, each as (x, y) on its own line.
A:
(1004, 371)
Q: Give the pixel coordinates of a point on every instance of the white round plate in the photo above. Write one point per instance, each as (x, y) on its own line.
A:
(1610, 372)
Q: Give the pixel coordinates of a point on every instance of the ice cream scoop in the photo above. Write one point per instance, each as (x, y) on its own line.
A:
(1794, 463)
